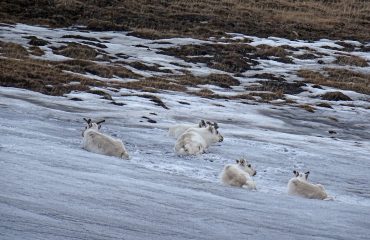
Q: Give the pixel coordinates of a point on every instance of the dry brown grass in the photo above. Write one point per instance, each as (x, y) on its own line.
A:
(41, 76)
(153, 98)
(104, 95)
(308, 19)
(338, 78)
(81, 37)
(278, 53)
(335, 96)
(352, 61)
(152, 33)
(277, 86)
(35, 41)
(35, 50)
(234, 58)
(145, 67)
(153, 85)
(221, 80)
(77, 51)
(268, 96)
(324, 104)
(12, 50)
(307, 107)
(101, 70)
(244, 96)
(206, 93)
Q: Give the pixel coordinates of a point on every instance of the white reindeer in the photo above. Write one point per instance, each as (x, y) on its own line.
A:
(97, 142)
(300, 186)
(239, 174)
(178, 129)
(195, 141)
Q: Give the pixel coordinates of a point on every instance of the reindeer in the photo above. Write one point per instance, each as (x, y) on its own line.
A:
(299, 186)
(97, 142)
(239, 174)
(178, 129)
(196, 140)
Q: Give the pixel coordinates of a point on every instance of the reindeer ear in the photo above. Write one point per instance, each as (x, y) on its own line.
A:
(237, 161)
(99, 126)
(202, 123)
(295, 173)
(306, 174)
(210, 128)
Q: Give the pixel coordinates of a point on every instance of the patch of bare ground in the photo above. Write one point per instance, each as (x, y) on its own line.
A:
(324, 105)
(309, 19)
(268, 76)
(268, 96)
(277, 86)
(35, 41)
(153, 98)
(220, 80)
(148, 33)
(335, 96)
(234, 58)
(306, 56)
(153, 84)
(101, 93)
(307, 107)
(101, 70)
(207, 93)
(274, 53)
(12, 50)
(41, 76)
(145, 67)
(351, 60)
(35, 50)
(81, 37)
(338, 78)
(80, 51)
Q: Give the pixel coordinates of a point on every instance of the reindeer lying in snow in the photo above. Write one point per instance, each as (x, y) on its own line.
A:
(196, 140)
(300, 186)
(177, 130)
(97, 142)
(239, 174)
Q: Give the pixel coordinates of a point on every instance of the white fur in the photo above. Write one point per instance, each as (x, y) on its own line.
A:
(239, 175)
(299, 186)
(97, 142)
(177, 130)
(196, 140)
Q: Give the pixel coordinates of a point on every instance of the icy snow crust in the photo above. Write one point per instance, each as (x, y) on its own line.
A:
(53, 189)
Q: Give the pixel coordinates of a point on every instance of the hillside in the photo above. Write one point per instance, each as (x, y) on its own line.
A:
(285, 97)
(308, 19)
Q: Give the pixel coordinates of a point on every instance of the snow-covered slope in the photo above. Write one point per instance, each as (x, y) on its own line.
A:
(53, 189)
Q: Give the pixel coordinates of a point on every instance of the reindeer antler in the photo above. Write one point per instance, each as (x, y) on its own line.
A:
(88, 121)
(100, 121)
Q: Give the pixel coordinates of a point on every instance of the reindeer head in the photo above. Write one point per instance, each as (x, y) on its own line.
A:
(204, 124)
(247, 167)
(92, 125)
(301, 176)
(216, 136)
(214, 124)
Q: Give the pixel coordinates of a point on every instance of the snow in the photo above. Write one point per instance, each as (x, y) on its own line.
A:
(53, 189)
